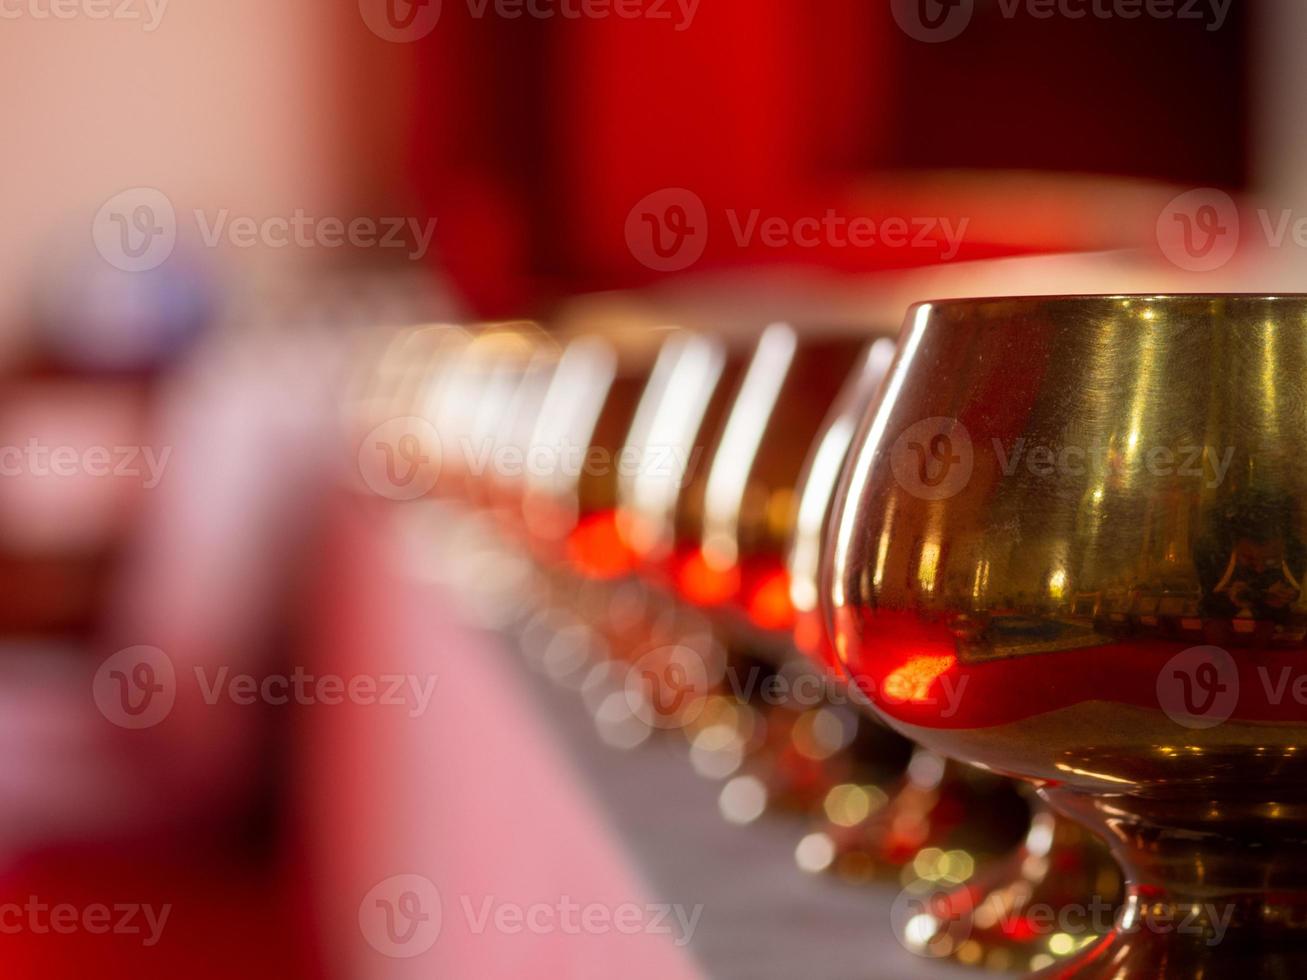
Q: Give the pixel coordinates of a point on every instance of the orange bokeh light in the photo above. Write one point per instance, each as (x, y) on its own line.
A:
(596, 549)
(769, 605)
(808, 634)
(704, 584)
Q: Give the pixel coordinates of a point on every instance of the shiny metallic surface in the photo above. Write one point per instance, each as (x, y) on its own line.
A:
(575, 454)
(667, 440)
(1068, 547)
(817, 487)
(745, 508)
(680, 421)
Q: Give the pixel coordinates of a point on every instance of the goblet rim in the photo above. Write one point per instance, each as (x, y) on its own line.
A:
(1089, 299)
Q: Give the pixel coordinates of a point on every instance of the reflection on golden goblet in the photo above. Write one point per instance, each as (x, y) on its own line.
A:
(1068, 547)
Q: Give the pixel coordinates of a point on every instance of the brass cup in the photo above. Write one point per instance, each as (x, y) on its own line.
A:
(1068, 547)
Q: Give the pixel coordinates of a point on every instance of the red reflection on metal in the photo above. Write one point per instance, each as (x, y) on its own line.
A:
(913, 680)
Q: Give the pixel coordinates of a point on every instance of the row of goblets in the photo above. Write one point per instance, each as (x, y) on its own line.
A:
(673, 490)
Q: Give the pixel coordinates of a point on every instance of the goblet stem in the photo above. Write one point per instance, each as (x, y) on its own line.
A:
(1213, 890)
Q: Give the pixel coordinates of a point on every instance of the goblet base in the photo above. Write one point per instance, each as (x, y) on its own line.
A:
(1132, 956)
(1215, 888)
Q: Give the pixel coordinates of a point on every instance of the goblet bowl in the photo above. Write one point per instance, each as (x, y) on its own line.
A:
(1068, 546)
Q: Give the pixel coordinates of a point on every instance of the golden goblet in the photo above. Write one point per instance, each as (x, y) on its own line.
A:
(1068, 547)
(1058, 862)
(928, 819)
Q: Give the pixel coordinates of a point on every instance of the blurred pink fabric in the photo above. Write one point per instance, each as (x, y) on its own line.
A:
(474, 795)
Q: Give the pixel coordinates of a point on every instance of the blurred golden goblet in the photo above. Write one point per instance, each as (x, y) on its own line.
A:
(574, 457)
(1068, 547)
(734, 523)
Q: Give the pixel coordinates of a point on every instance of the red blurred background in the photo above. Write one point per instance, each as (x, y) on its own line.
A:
(531, 142)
